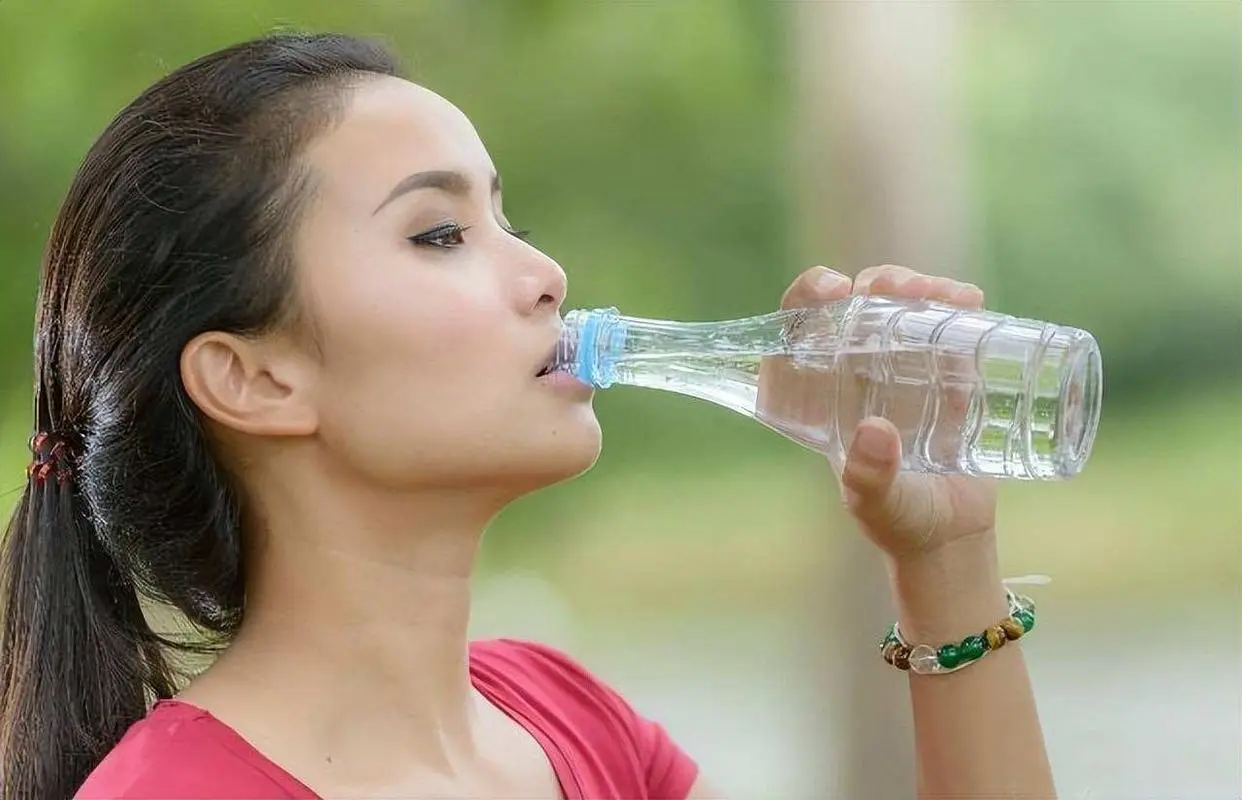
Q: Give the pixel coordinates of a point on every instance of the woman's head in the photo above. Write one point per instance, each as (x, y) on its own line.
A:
(423, 319)
(261, 259)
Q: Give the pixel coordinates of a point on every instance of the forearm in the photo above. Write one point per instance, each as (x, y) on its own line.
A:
(977, 731)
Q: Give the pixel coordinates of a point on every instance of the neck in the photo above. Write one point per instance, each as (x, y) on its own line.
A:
(361, 600)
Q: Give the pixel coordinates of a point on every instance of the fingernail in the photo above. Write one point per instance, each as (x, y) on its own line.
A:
(871, 443)
(964, 289)
(828, 279)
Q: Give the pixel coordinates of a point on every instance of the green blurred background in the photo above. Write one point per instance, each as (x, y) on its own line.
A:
(685, 159)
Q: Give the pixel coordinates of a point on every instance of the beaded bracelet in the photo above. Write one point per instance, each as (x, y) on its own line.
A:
(927, 660)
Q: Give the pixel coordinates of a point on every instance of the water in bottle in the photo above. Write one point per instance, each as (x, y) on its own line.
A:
(971, 392)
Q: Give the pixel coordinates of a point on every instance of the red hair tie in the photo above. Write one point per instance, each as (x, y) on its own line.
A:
(51, 458)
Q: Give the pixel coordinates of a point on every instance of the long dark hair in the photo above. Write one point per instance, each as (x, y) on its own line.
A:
(176, 223)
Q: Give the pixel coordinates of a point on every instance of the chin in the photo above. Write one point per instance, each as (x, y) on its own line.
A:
(571, 453)
(561, 455)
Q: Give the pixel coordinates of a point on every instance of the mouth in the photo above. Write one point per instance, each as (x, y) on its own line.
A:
(549, 365)
(556, 373)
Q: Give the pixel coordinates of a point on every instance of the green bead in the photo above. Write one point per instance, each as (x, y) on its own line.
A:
(1026, 618)
(949, 656)
(972, 647)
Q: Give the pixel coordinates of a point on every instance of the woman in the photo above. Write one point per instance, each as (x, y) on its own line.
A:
(288, 357)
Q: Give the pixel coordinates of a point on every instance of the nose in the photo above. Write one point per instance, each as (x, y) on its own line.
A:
(542, 285)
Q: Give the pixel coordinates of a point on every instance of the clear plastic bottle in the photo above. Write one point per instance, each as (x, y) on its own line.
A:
(972, 392)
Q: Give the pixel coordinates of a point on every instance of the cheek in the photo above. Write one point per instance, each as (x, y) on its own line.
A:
(411, 349)
(386, 307)
(408, 364)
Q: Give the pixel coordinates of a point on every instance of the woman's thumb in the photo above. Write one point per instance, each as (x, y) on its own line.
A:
(871, 467)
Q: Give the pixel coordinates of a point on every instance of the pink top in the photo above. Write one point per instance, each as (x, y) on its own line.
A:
(598, 745)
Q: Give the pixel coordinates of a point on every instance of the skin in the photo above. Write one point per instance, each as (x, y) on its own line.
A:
(376, 441)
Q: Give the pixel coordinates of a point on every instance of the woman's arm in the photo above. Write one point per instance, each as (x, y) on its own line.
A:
(977, 731)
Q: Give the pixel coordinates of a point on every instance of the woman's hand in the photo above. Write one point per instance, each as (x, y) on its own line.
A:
(910, 516)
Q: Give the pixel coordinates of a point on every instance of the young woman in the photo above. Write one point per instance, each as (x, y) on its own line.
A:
(289, 356)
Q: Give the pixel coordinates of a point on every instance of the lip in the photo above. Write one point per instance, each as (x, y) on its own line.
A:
(563, 381)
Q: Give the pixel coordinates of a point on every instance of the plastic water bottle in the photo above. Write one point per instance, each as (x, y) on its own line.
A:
(972, 392)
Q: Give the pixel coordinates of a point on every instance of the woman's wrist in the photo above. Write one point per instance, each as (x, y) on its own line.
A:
(951, 592)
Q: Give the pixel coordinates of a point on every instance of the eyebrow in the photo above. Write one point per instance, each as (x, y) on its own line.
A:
(449, 181)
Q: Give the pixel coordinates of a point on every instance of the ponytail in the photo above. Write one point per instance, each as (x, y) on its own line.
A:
(77, 657)
(179, 221)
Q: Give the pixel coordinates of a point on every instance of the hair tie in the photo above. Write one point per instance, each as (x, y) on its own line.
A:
(52, 457)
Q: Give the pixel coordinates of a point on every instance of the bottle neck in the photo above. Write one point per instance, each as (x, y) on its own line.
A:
(603, 347)
(718, 361)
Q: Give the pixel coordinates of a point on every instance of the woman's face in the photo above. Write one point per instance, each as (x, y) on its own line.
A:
(432, 318)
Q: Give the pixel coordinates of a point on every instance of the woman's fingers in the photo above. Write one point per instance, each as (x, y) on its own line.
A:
(816, 286)
(902, 282)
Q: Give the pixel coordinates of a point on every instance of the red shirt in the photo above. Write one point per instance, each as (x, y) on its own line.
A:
(598, 745)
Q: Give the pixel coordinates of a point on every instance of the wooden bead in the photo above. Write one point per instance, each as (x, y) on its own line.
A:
(1012, 628)
(996, 637)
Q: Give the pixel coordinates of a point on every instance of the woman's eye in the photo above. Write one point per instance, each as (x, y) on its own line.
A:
(446, 236)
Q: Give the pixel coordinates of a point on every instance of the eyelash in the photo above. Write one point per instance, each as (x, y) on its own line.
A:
(435, 236)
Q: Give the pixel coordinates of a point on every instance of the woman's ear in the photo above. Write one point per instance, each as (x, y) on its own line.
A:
(261, 387)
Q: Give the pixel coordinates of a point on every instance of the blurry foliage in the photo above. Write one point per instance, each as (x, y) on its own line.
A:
(646, 143)
(1106, 141)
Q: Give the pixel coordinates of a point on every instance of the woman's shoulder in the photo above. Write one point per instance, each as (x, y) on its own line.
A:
(588, 716)
(527, 658)
(177, 752)
(543, 675)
